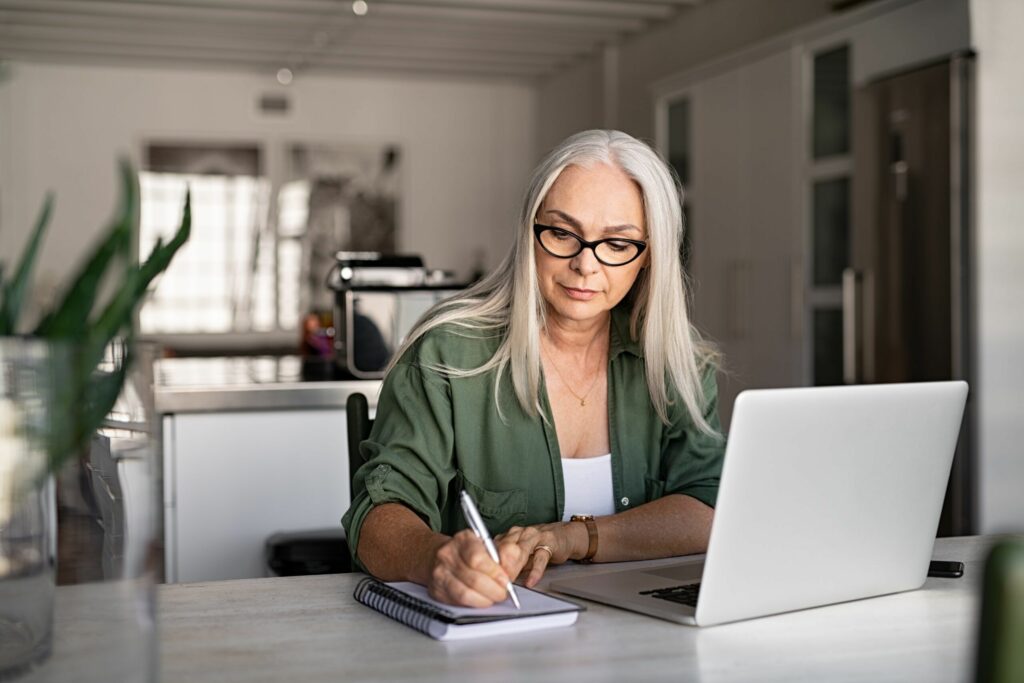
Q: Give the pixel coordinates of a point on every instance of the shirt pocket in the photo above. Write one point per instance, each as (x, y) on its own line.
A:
(500, 509)
(653, 488)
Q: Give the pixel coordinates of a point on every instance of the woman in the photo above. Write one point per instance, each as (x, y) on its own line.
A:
(566, 392)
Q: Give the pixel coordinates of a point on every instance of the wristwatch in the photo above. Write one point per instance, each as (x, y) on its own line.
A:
(591, 535)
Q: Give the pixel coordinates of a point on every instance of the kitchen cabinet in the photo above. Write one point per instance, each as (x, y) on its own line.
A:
(249, 449)
(231, 479)
(746, 246)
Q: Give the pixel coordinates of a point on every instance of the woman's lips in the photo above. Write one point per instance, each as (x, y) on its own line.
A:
(580, 294)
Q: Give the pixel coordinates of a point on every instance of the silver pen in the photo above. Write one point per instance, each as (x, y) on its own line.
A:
(476, 523)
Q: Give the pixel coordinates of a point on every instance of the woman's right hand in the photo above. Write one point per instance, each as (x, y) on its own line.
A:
(463, 573)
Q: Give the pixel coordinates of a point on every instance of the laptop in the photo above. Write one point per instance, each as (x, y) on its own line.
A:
(827, 495)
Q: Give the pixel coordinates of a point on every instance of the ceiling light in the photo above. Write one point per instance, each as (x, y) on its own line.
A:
(360, 8)
(284, 76)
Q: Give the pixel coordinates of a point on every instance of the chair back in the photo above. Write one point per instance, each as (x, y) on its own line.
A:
(357, 414)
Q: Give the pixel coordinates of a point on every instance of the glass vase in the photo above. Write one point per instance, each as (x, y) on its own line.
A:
(81, 604)
(27, 506)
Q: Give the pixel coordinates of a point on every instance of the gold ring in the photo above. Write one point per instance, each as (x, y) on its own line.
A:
(546, 548)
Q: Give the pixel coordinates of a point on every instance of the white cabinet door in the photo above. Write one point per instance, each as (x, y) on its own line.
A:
(770, 184)
(232, 479)
(746, 235)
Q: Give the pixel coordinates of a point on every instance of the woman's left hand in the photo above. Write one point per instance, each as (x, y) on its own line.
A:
(540, 546)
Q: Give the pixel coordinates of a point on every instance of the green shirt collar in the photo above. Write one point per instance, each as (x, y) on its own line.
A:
(621, 340)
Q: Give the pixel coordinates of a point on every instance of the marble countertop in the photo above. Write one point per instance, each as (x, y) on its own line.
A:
(311, 629)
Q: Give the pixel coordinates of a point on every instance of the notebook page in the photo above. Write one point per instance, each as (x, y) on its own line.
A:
(532, 602)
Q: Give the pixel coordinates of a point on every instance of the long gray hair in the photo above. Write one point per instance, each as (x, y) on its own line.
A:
(508, 302)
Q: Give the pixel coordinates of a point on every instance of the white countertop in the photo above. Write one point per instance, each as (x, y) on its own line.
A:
(311, 629)
(194, 385)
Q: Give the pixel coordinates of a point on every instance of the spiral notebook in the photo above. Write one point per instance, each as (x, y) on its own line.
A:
(410, 604)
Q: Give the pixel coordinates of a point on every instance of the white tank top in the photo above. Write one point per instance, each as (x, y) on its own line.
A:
(588, 486)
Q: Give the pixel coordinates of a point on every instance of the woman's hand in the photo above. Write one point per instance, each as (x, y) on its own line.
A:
(463, 573)
(540, 546)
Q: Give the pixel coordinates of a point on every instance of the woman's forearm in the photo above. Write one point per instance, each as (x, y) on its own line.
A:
(670, 526)
(396, 545)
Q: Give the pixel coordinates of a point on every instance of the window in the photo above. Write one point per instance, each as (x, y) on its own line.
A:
(828, 190)
(830, 209)
(218, 282)
(679, 154)
(831, 129)
(259, 251)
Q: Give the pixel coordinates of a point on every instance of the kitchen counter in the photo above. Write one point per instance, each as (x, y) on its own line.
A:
(205, 385)
(261, 418)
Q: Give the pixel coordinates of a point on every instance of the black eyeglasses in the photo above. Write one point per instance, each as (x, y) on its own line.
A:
(612, 251)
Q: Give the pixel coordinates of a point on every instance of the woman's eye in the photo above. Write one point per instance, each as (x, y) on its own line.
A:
(561, 235)
(619, 246)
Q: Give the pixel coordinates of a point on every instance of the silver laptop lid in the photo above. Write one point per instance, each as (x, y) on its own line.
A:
(828, 494)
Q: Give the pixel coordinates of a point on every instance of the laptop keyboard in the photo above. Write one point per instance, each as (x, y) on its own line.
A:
(684, 595)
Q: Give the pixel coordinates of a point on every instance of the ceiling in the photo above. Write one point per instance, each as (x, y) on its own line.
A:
(520, 39)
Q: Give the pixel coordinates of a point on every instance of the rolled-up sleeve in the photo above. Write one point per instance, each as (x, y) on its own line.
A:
(409, 452)
(691, 461)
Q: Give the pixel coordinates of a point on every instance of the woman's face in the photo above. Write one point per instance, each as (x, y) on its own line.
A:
(594, 203)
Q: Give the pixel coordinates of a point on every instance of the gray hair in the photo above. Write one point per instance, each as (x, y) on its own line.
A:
(508, 302)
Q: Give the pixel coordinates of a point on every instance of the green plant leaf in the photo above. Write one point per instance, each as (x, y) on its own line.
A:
(71, 314)
(84, 395)
(14, 292)
(118, 314)
(94, 396)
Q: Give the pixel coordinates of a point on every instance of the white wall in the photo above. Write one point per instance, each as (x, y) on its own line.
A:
(467, 146)
(697, 35)
(569, 101)
(996, 28)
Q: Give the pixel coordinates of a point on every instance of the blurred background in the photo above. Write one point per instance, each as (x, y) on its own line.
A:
(853, 173)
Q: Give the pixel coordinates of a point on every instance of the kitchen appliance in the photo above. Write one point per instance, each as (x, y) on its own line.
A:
(377, 300)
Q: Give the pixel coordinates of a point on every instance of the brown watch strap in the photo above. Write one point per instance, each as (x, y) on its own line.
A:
(591, 535)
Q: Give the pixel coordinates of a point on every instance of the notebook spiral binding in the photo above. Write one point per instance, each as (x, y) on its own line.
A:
(400, 607)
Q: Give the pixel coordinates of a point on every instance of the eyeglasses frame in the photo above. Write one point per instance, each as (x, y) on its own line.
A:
(539, 228)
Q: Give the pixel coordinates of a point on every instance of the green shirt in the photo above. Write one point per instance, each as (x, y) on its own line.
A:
(434, 435)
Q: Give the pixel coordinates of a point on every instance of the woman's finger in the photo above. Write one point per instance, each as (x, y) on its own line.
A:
(465, 574)
(513, 557)
(452, 591)
(479, 571)
(492, 588)
(541, 557)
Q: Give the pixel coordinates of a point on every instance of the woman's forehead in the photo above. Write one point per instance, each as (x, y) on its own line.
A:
(600, 192)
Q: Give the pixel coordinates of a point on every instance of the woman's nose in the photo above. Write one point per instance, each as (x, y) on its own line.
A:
(585, 262)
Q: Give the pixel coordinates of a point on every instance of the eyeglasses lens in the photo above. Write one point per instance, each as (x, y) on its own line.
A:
(566, 245)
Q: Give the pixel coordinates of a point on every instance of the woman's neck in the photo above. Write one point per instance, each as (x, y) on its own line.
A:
(575, 339)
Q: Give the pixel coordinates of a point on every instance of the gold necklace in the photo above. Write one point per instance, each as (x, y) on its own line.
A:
(582, 399)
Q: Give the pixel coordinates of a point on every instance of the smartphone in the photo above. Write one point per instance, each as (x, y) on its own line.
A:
(945, 569)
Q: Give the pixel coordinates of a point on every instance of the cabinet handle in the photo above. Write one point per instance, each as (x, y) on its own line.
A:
(852, 280)
(796, 294)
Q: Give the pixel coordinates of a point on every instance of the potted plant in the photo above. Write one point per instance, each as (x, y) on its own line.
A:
(53, 396)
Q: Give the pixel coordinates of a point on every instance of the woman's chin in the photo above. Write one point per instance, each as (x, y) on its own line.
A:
(579, 311)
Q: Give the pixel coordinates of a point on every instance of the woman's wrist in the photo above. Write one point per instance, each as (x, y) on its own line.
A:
(579, 539)
(428, 558)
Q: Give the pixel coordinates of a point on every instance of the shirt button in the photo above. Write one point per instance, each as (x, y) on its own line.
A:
(624, 501)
